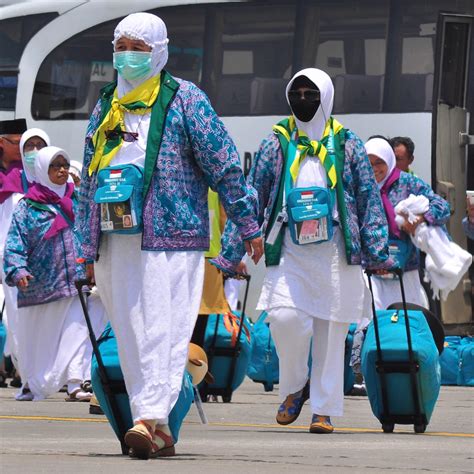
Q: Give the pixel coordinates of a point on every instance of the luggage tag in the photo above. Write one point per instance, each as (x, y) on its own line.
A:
(281, 218)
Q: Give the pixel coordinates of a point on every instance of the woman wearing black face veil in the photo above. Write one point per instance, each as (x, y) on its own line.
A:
(314, 285)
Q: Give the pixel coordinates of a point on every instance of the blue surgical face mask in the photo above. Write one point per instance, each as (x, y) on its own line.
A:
(132, 65)
(29, 158)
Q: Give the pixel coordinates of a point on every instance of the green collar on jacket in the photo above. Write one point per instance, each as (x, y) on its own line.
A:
(168, 89)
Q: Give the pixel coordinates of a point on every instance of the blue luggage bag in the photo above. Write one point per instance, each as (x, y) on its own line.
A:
(449, 360)
(263, 367)
(400, 364)
(457, 361)
(349, 376)
(466, 362)
(109, 386)
(227, 343)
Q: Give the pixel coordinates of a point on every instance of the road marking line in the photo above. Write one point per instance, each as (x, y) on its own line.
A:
(237, 425)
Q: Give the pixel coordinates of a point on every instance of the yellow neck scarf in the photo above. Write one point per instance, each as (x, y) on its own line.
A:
(306, 147)
(138, 101)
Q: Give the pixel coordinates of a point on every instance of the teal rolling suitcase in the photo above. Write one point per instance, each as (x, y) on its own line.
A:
(227, 343)
(109, 386)
(400, 364)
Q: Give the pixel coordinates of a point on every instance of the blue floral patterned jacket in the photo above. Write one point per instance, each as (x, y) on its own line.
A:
(196, 153)
(438, 213)
(52, 262)
(366, 219)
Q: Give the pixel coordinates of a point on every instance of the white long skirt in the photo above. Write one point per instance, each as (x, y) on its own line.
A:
(387, 291)
(317, 280)
(152, 300)
(52, 342)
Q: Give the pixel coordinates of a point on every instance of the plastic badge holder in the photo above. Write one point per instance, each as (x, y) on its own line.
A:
(309, 216)
(119, 194)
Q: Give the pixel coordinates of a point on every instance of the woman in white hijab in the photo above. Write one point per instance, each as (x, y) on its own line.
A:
(314, 285)
(395, 186)
(151, 281)
(42, 260)
(31, 141)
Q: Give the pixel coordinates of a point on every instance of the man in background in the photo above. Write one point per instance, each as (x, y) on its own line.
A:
(404, 149)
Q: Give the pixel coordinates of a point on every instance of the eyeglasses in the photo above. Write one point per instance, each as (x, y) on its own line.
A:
(311, 95)
(12, 142)
(58, 166)
(31, 145)
(126, 136)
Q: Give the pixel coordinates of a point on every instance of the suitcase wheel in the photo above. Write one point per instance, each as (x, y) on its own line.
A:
(226, 398)
(420, 428)
(388, 427)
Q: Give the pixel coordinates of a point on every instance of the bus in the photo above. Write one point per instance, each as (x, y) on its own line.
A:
(399, 67)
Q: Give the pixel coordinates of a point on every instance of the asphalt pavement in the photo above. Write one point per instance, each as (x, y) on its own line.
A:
(55, 436)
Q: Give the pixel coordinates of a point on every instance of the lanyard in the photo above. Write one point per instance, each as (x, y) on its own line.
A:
(293, 153)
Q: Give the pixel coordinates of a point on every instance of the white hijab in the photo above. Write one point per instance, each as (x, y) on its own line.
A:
(43, 160)
(381, 148)
(151, 29)
(31, 132)
(315, 127)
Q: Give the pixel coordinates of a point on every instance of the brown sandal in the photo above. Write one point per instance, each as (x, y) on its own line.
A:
(139, 439)
(290, 409)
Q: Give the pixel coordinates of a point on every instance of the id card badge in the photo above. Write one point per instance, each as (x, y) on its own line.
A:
(281, 218)
(310, 231)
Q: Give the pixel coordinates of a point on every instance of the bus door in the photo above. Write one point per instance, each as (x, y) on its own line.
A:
(453, 144)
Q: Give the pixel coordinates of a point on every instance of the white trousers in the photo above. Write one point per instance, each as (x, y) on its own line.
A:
(52, 342)
(152, 300)
(292, 330)
(387, 291)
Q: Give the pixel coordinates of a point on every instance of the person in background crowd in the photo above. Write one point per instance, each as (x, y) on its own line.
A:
(151, 282)
(42, 258)
(314, 286)
(12, 186)
(396, 185)
(404, 150)
(32, 141)
(10, 134)
(19, 181)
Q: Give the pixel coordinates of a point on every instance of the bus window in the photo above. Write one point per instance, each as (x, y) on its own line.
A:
(351, 49)
(409, 84)
(185, 27)
(69, 80)
(252, 50)
(14, 35)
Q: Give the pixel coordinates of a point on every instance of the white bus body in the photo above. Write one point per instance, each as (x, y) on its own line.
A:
(380, 54)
